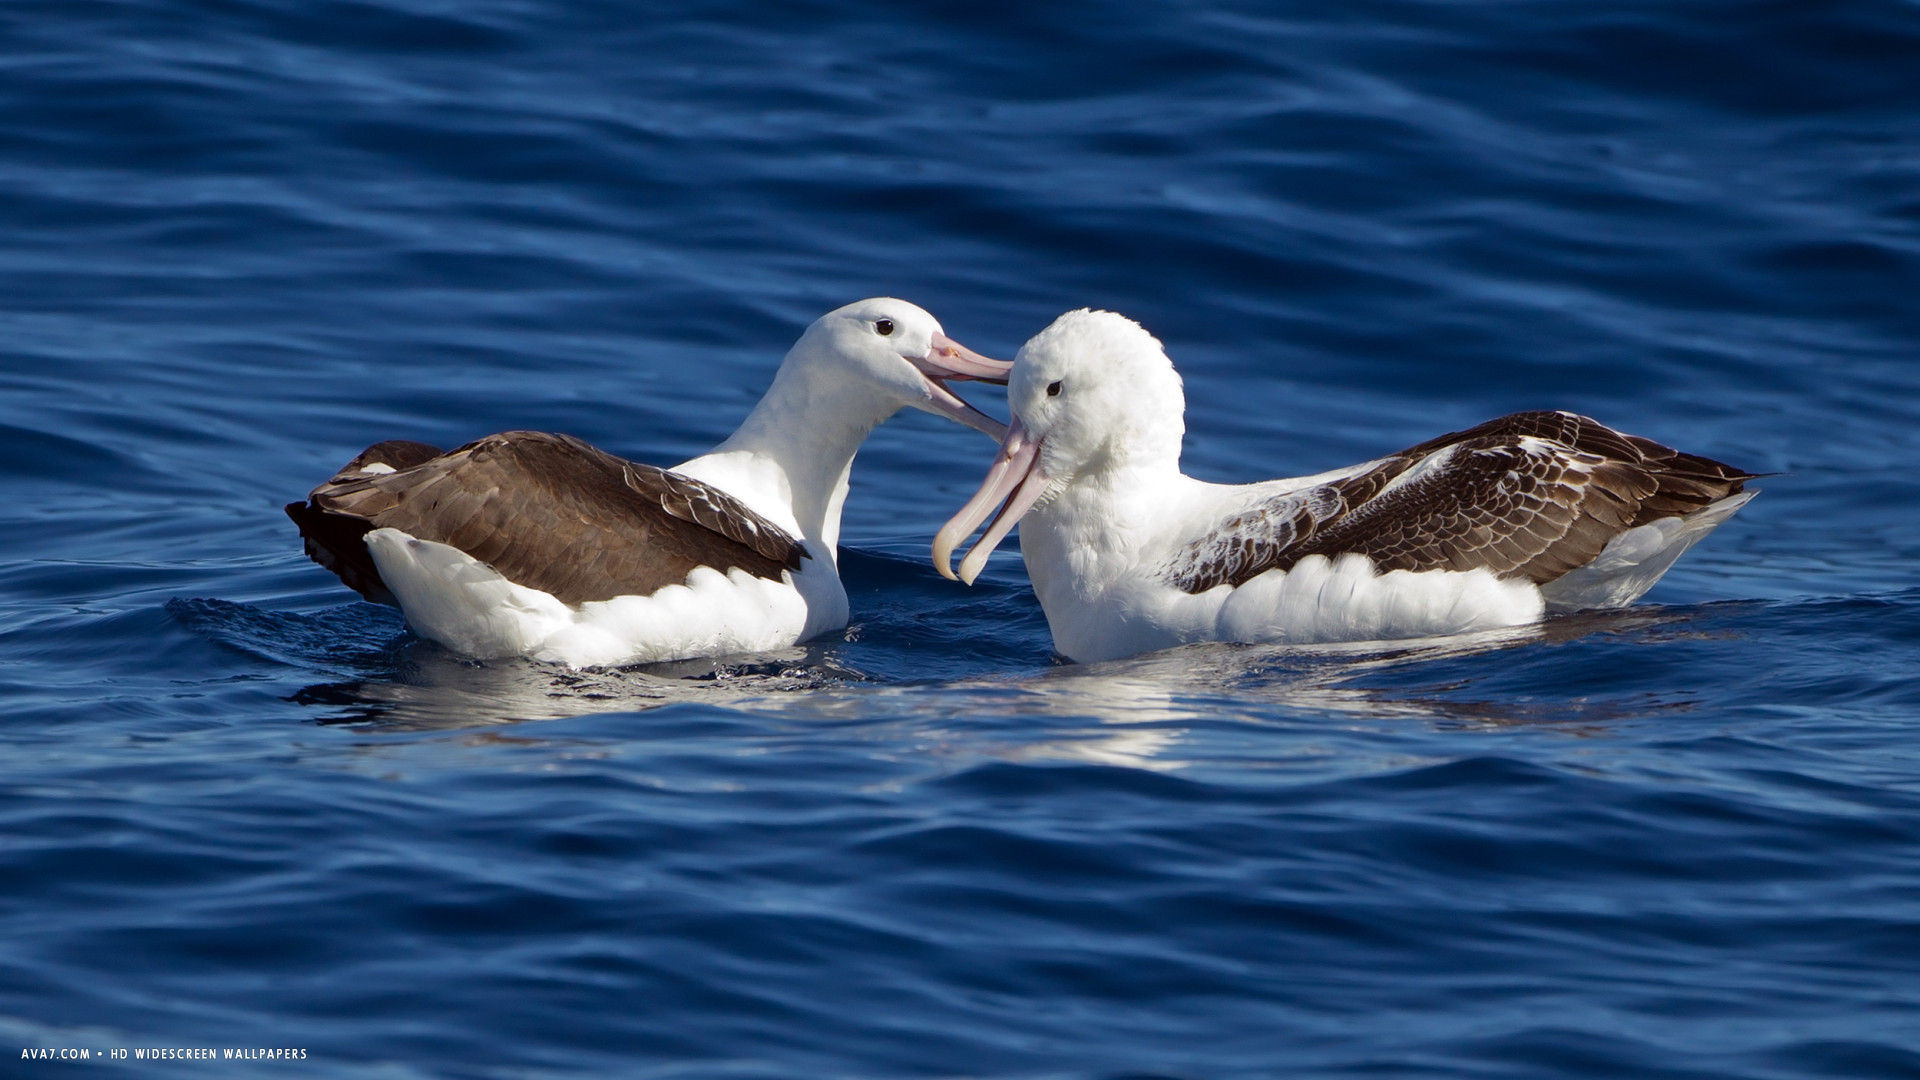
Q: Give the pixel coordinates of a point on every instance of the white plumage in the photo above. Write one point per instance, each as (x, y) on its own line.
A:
(1492, 527)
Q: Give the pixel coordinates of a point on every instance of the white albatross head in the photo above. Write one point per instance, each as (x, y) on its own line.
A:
(900, 349)
(1091, 395)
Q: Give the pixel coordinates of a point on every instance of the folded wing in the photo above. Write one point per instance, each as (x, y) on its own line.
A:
(546, 511)
(1532, 495)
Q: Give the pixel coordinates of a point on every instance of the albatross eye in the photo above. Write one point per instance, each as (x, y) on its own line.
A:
(884, 326)
(1053, 388)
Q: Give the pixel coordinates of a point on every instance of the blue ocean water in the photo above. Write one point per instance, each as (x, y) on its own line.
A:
(240, 239)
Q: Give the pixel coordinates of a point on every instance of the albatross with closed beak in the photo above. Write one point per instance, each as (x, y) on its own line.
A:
(1490, 527)
(534, 544)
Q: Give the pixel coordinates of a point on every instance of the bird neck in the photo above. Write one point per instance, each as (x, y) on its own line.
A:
(796, 448)
(1100, 528)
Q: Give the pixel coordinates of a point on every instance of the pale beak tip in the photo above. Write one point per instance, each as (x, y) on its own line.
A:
(971, 566)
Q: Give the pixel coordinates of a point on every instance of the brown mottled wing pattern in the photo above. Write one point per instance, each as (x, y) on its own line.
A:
(548, 512)
(1529, 495)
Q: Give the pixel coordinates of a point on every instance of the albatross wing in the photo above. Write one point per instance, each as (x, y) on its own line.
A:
(545, 511)
(1534, 495)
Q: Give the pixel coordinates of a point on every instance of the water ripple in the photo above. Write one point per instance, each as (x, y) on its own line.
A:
(247, 237)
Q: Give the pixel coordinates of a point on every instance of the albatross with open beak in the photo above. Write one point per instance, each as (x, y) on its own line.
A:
(534, 544)
(1490, 527)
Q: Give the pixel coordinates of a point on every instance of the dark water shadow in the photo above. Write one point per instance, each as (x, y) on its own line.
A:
(1142, 707)
(433, 690)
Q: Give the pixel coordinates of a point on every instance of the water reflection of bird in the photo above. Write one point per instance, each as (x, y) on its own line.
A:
(1137, 712)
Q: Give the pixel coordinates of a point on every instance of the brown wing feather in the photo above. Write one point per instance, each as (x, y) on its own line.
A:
(547, 511)
(1531, 495)
(335, 541)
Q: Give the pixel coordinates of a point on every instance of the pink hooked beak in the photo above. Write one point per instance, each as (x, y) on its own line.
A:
(949, 361)
(1015, 482)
